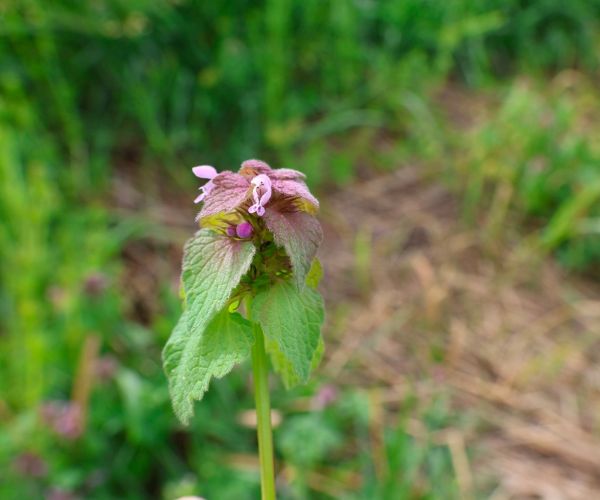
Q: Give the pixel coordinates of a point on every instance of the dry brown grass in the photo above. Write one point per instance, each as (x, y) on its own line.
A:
(519, 339)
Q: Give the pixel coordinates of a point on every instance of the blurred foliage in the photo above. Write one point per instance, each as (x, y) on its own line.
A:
(222, 80)
(328, 87)
(538, 160)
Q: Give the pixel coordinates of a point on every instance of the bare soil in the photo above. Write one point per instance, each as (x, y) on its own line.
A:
(418, 302)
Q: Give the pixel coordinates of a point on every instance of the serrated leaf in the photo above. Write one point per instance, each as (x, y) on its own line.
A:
(212, 267)
(315, 274)
(291, 320)
(226, 341)
(171, 354)
(297, 190)
(229, 191)
(300, 234)
(283, 366)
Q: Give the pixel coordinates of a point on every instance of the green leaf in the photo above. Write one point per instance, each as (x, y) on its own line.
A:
(564, 222)
(315, 274)
(226, 341)
(212, 267)
(300, 234)
(291, 320)
(283, 366)
(173, 349)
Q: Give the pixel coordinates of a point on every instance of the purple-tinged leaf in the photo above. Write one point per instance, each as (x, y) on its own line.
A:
(300, 234)
(255, 167)
(228, 192)
(298, 190)
(286, 174)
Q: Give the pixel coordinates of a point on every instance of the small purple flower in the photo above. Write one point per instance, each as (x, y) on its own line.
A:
(244, 230)
(279, 196)
(261, 194)
(231, 231)
(95, 284)
(204, 172)
(30, 464)
(325, 397)
(64, 418)
(59, 494)
(105, 368)
(257, 183)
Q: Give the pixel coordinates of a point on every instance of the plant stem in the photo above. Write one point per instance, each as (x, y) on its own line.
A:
(260, 369)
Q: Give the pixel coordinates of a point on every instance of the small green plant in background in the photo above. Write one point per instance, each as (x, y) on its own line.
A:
(159, 79)
(256, 247)
(536, 161)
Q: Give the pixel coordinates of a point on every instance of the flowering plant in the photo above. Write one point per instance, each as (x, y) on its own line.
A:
(256, 247)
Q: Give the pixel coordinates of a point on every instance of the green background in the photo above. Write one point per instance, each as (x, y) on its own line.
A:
(97, 97)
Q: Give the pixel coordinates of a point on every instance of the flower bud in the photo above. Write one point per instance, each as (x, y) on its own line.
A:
(230, 231)
(244, 230)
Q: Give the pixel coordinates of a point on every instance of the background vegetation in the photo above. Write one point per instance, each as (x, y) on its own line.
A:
(496, 99)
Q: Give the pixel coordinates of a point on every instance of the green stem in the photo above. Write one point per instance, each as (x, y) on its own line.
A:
(260, 368)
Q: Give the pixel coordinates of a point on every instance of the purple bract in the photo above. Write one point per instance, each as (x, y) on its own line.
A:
(254, 188)
(279, 197)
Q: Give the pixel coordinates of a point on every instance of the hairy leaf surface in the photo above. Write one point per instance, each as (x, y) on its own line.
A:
(291, 321)
(226, 341)
(283, 366)
(313, 278)
(229, 191)
(300, 234)
(212, 267)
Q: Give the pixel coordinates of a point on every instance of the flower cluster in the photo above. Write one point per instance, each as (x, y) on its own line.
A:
(255, 253)
(255, 188)
(264, 204)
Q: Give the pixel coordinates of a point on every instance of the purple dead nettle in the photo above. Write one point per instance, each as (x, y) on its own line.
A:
(255, 255)
(237, 202)
(255, 181)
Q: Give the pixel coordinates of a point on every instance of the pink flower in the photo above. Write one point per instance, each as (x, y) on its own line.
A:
(251, 189)
(261, 193)
(63, 417)
(325, 397)
(204, 172)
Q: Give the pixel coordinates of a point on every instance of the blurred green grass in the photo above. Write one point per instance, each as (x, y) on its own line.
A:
(89, 89)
